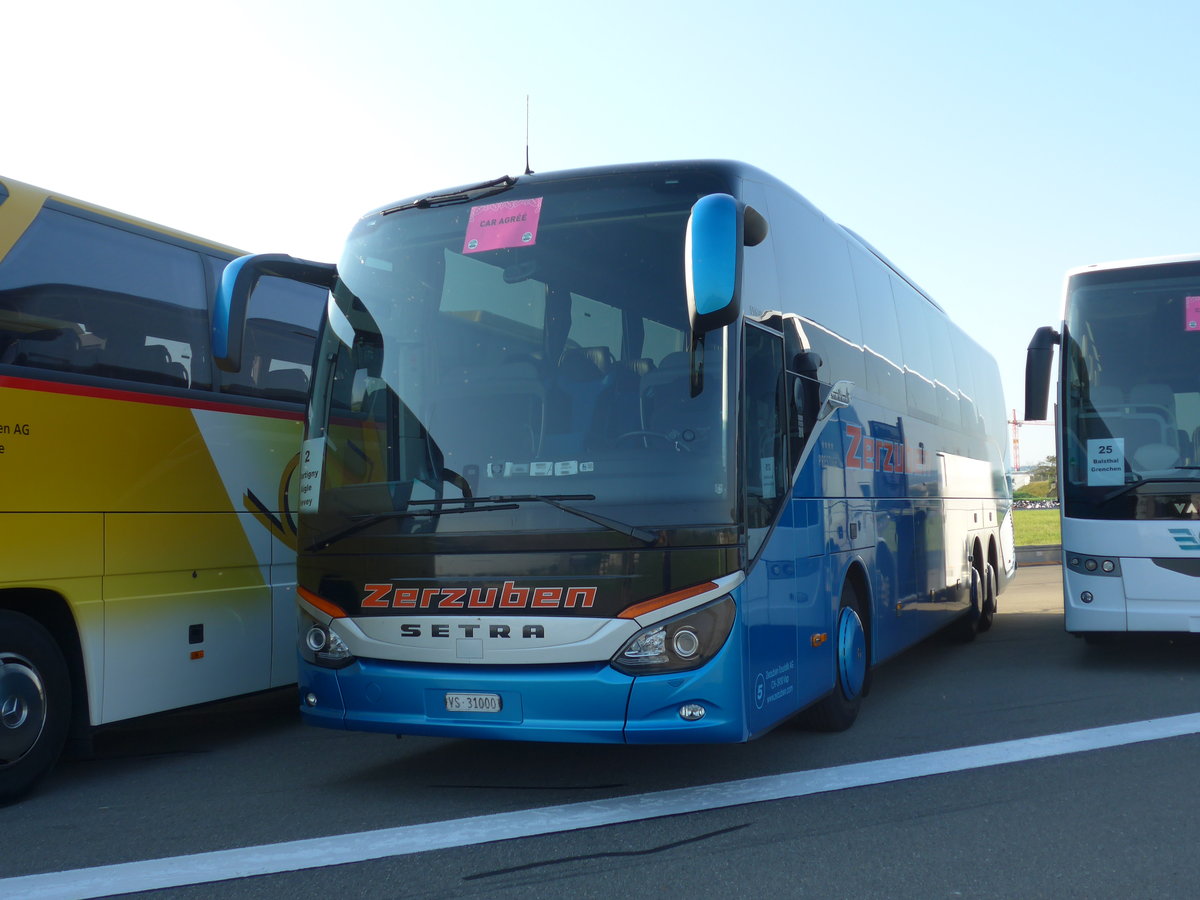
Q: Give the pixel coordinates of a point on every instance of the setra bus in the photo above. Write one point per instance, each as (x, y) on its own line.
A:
(1128, 443)
(148, 559)
(643, 453)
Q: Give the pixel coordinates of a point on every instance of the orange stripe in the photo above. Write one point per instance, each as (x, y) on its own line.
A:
(321, 603)
(640, 609)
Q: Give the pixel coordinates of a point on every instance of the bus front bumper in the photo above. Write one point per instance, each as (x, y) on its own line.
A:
(586, 704)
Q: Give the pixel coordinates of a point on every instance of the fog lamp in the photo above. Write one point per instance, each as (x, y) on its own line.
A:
(685, 643)
(321, 645)
(692, 712)
(316, 638)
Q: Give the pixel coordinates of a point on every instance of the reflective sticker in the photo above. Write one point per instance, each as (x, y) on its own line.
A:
(1191, 314)
(767, 475)
(543, 468)
(495, 226)
(312, 460)
(1106, 461)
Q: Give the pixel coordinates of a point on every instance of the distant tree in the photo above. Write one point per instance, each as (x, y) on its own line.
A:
(1046, 470)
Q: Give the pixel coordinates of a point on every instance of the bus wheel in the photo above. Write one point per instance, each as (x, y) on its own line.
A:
(970, 623)
(35, 704)
(839, 709)
(987, 609)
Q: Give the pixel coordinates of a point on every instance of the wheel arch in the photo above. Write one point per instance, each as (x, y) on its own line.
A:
(51, 610)
(993, 558)
(856, 576)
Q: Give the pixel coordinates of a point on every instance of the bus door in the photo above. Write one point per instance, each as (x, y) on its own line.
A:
(770, 604)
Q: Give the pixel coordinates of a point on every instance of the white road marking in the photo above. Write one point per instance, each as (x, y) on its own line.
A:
(292, 856)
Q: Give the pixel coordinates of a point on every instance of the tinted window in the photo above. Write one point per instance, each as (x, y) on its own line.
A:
(277, 347)
(79, 295)
(764, 450)
(966, 353)
(912, 311)
(882, 352)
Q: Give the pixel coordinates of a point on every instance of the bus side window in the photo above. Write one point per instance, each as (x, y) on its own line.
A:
(44, 348)
(91, 296)
(277, 348)
(768, 481)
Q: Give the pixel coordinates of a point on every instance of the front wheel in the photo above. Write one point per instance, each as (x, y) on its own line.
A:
(35, 704)
(839, 709)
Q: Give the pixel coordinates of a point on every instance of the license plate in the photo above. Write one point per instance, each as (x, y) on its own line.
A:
(484, 703)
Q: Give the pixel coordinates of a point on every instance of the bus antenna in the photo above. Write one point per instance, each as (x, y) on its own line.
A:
(528, 171)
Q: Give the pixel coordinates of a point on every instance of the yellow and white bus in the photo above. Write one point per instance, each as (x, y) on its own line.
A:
(147, 533)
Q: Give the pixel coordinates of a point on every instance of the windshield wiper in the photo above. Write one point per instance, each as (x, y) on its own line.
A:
(493, 504)
(555, 500)
(366, 521)
(485, 189)
(1142, 480)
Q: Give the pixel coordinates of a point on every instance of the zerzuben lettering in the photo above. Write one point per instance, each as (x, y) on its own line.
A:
(508, 596)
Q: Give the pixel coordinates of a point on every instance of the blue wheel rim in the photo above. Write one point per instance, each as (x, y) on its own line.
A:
(852, 652)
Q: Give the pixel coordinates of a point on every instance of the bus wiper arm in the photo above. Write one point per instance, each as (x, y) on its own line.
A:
(485, 189)
(556, 500)
(1155, 479)
(366, 521)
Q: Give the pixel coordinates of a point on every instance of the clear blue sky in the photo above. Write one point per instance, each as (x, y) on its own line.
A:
(985, 148)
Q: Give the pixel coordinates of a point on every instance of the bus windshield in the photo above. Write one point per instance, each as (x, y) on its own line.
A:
(530, 347)
(1131, 417)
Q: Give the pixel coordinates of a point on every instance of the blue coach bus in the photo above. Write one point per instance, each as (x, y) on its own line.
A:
(646, 454)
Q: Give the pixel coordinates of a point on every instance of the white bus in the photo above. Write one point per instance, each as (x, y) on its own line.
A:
(1128, 443)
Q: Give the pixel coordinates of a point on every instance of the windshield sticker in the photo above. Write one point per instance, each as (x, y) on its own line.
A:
(1192, 314)
(496, 226)
(312, 461)
(566, 467)
(1106, 461)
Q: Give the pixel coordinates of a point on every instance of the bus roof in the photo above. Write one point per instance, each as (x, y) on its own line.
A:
(729, 167)
(1134, 263)
(10, 187)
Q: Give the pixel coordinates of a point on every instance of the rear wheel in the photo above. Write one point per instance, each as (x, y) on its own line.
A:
(838, 711)
(987, 608)
(35, 704)
(978, 618)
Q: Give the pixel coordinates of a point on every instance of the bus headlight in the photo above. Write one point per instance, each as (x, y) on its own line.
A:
(685, 642)
(321, 645)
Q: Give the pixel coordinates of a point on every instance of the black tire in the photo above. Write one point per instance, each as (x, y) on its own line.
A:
(838, 710)
(35, 704)
(987, 609)
(966, 627)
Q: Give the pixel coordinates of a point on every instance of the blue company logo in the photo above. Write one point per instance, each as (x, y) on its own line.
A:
(1185, 538)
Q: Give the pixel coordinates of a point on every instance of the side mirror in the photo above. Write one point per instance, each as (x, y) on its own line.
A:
(717, 230)
(1038, 360)
(233, 297)
(807, 363)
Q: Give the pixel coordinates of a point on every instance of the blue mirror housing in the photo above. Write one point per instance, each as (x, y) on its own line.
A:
(717, 230)
(233, 296)
(713, 262)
